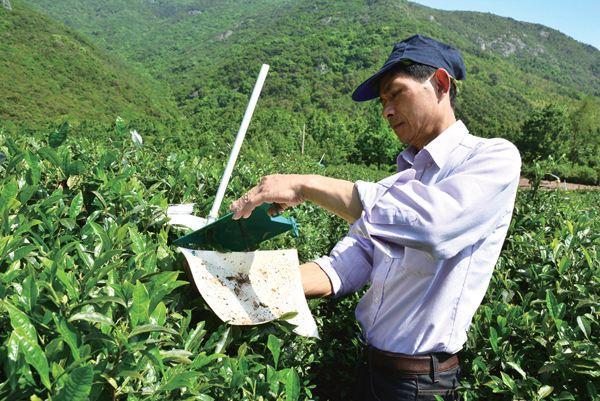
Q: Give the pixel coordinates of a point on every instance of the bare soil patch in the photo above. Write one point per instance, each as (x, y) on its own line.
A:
(524, 183)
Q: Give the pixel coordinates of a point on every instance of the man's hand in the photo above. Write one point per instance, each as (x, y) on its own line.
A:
(337, 196)
(282, 190)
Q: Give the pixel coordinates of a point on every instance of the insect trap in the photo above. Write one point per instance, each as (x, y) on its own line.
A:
(242, 285)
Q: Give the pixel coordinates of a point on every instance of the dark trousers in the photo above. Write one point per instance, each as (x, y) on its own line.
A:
(376, 384)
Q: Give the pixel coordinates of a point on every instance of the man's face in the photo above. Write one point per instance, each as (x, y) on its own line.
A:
(410, 107)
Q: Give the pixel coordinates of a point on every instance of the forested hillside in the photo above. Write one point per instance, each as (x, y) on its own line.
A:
(209, 53)
(51, 73)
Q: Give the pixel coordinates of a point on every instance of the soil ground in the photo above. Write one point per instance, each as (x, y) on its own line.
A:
(524, 183)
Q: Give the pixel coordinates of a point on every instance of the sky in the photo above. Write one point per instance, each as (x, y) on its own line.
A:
(579, 19)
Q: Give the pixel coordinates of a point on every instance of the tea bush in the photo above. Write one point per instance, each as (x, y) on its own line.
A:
(94, 304)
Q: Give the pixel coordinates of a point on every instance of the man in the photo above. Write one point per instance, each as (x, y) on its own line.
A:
(426, 238)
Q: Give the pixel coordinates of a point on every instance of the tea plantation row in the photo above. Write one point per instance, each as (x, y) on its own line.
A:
(94, 304)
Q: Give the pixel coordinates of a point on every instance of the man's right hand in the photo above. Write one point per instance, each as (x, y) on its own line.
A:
(282, 190)
(337, 196)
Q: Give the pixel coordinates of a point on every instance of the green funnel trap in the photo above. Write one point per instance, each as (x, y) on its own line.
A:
(226, 234)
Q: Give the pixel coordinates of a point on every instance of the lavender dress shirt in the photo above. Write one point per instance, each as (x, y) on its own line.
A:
(427, 242)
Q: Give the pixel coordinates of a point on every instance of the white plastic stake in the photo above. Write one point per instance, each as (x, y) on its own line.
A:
(214, 212)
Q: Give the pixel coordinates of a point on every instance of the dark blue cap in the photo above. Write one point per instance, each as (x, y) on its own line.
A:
(419, 49)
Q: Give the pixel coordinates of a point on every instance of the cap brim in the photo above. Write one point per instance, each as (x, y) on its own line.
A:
(370, 88)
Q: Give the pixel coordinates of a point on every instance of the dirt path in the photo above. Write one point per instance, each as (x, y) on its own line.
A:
(524, 183)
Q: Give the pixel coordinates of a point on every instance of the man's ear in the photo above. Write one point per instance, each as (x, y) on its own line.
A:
(442, 80)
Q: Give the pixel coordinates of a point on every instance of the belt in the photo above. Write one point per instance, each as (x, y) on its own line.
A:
(409, 364)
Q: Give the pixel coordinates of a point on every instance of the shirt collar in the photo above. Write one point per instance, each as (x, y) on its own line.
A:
(442, 146)
(406, 158)
(439, 149)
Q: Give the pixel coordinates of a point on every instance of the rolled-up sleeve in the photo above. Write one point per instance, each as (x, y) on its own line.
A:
(457, 211)
(349, 264)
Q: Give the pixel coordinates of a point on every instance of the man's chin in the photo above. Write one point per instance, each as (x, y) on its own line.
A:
(403, 137)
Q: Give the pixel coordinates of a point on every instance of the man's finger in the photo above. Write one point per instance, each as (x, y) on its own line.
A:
(277, 208)
(244, 206)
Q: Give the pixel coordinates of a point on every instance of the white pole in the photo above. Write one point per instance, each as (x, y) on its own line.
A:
(214, 212)
(303, 135)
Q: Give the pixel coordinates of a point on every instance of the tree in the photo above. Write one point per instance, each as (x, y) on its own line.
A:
(546, 132)
(375, 141)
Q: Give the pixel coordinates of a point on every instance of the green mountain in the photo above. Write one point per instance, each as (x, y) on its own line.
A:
(50, 73)
(209, 53)
(319, 50)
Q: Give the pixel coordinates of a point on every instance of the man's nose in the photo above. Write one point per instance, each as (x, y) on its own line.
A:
(388, 111)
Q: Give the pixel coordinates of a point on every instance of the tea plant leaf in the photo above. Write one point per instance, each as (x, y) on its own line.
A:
(50, 156)
(494, 339)
(587, 256)
(138, 312)
(516, 367)
(23, 252)
(274, 345)
(584, 325)
(68, 336)
(78, 385)
(85, 256)
(152, 328)
(101, 199)
(179, 355)
(563, 265)
(34, 173)
(159, 314)
(92, 317)
(102, 300)
(101, 234)
(288, 316)
(292, 386)
(184, 379)
(203, 397)
(138, 245)
(551, 304)
(153, 354)
(510, 383)
(203, 360)
(76, 206)
(26, 337)
(195, 337)
(58, 137)
(30, 292)
(272, 379)
(545, 391)
(8, 194)
(162, 285)
(223, 341)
